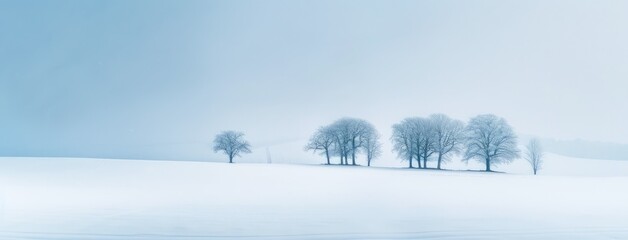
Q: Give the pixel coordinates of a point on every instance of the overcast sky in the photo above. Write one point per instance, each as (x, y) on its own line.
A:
(158, 79)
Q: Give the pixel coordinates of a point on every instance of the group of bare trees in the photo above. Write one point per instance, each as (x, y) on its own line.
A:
(420, 139)
(486, 138)
(346, 138)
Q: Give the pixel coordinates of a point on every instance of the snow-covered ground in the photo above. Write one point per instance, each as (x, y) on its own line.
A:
(61, 198)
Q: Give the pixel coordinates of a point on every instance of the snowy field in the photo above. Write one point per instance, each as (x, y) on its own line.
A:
(61, 198)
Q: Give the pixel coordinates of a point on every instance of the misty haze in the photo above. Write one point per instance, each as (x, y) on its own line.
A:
(163, 119)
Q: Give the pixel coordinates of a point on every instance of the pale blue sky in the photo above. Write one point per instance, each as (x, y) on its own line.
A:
(158, 79)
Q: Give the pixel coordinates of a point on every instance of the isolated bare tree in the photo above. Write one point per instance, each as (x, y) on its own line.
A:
(402, 140)
(322, 140)
(372, 146)
(491, 140)
(534, 155)
(448, 136)
(231, 143)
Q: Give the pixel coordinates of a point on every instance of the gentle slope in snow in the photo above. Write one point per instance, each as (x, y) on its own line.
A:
(60, 198)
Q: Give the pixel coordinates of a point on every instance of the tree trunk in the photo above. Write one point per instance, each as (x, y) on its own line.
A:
(425, 156)
(488, 164)
(353, 151)
(327, 155)
(440, 158)
(230, 159)
(418, 161)
(410, 161)
(368, 162)
(353, 157)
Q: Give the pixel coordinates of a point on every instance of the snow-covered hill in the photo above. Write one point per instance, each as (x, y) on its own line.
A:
(60, 198)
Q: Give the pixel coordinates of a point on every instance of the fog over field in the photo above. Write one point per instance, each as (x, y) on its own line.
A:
(158, 79)
(313, 119)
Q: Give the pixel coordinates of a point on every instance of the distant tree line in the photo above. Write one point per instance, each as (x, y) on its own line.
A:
(485, 138)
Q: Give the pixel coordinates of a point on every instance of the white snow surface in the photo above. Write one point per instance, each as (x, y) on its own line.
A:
(69, 198)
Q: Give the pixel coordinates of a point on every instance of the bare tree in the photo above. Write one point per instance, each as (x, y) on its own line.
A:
(534, 155)
(231, 143)
(491, 140)
(347, 137)
(421, 138)
(322, 140)
(340, 133)
(402, 141)
(372, 146)
(357, 132)
(448, 136)
(413, 138)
